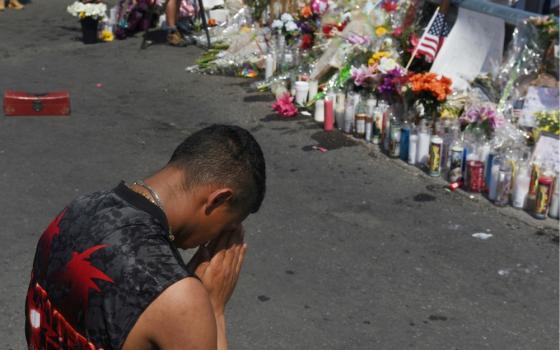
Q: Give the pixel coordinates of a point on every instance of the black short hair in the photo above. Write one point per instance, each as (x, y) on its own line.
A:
(225, 155)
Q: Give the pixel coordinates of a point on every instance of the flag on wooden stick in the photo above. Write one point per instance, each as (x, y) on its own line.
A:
(433, 39)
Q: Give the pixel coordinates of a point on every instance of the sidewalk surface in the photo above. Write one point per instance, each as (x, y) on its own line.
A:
(350, 250)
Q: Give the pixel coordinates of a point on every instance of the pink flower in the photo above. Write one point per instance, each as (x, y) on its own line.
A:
(398, 32)
(357, 39)
(319, 7)
(497, 121)
(362, 76)
(284, 106)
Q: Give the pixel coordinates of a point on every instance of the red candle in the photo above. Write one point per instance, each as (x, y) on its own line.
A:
(329, 115)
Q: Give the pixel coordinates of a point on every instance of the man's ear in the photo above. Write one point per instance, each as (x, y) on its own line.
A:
(217, 198)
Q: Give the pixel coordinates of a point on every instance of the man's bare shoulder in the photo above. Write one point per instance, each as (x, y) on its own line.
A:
(179, 318)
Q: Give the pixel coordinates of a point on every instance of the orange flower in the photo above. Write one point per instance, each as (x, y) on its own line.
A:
(439, 87)
(306, 11)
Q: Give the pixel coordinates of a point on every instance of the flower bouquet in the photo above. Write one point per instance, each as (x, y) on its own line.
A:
(483, 117)
(288, 26)
(429, 90)
(547, 121)
(89, 13)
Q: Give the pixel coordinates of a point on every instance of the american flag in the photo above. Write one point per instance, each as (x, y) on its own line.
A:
(431, 43)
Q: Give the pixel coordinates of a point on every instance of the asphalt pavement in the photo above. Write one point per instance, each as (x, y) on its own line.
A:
(351, 250)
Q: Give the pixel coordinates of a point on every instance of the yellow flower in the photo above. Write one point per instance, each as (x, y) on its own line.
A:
(107, 35)
(380, 31)
(376, 57)
(82, 15)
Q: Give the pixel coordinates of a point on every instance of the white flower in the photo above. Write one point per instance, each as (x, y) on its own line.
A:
(347, 16)
(286, 17)
(277, 24)
(291, 26)
(387, 64)
(80, 9)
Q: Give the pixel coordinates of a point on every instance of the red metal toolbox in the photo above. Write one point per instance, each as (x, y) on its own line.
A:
(18, 103)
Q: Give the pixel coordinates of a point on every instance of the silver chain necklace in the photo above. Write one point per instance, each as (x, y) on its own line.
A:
(157, 201)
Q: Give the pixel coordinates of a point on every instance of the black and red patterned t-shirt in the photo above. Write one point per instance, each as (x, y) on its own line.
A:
(97, 267)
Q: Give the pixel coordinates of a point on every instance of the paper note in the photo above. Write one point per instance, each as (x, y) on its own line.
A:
(538, 99)
(473, 46)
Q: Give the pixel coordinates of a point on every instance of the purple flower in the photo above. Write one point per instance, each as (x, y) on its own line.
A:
(392, 80)
(470, 116)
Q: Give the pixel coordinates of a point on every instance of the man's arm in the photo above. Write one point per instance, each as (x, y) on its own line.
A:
(181, 317)
(190, 314)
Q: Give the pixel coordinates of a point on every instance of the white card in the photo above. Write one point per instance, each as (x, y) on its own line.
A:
(473, 45)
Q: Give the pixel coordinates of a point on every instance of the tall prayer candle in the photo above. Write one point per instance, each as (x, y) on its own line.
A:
(493, 185)
(554, 209)
(329, 115)
(520, 188)
(320, 111)
(412, 148)
(269, 68)
(423, 152)
(349, 116)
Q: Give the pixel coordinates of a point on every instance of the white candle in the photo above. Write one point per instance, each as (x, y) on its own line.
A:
(349, 117)
(553, 210)
(269, 68)
(423, 151)
(302, 89)
(313, 88)
(339, 117)
(340, 101)
(320, 111)
(412, 146)
(493, 186)
(520, 190)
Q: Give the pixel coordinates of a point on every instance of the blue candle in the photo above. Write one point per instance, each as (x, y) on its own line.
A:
(405, 136)
(488, 172)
